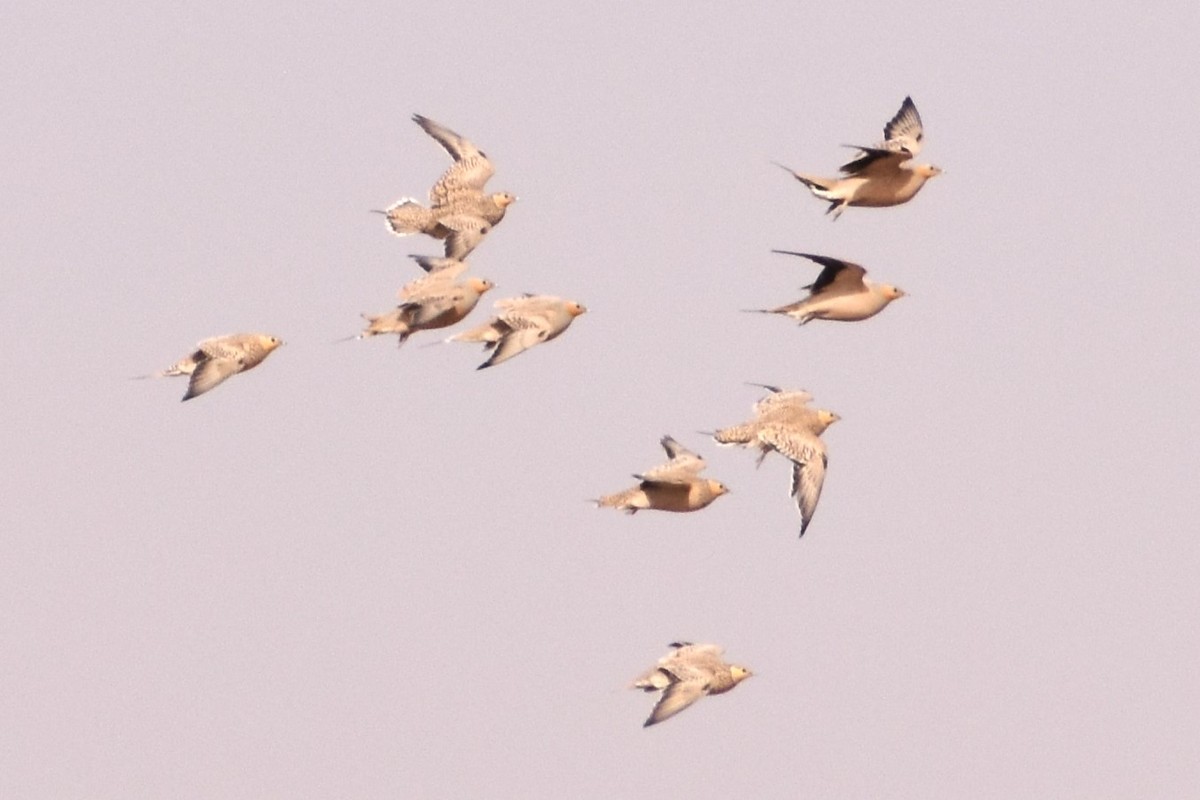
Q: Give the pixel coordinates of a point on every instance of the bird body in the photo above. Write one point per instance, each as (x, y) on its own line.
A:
(219, 358)
(687, 673)
(674, 486)
(784, 423)
(458, 212)
(881, 175)
(841, 292)
(521, 323)
(432, 301)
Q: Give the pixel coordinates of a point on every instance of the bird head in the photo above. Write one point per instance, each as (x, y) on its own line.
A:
(827, 417)
(739, 673)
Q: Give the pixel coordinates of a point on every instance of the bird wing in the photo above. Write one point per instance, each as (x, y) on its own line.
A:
(520, 338)
(466, 231)
(434, 304)
(807, 480)
(470, 170)
(780, 398)
(428, 286)
(209, 373)
(904, 131)
(451, 267)
(874, 161)
(902, 136)
(683, 467)
(675, 698)
(837, 276)
(807, 454)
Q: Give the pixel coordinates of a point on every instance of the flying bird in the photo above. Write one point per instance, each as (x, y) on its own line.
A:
(217, 359)
(881, 175)
(673, 486)
(841, 292)
(785, 423)
(435, 300)
(521, 323)
(687, 673)
(458, 212)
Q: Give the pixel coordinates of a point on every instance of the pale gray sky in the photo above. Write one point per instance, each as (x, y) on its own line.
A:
(357, 572)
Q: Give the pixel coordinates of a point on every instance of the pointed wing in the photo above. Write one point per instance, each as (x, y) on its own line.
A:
(466, 232)
(874, 161)
(902, 140)
(808, 457)
(471, 168)
(675, 698)
(807, 480)
(904, 132)
(209, 373)
(837, 276)
(681, 470)
(513, 344)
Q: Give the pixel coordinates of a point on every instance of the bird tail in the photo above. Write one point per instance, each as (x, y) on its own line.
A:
(384, 323)
(735, 435)
(816, 185)
(627, 501)
(486, 333)
(407, 216)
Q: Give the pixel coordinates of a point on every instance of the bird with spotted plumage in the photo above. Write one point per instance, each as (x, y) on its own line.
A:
(458, 212)
(785, 423)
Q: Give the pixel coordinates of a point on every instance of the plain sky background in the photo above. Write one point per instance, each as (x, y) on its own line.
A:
(370, 573)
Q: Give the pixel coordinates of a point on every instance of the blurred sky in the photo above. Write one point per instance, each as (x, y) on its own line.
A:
(363, 572)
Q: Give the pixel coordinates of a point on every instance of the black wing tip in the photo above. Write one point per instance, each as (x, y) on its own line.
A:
(809, 256)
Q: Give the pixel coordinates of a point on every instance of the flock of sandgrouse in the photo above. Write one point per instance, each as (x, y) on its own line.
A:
(460, 214)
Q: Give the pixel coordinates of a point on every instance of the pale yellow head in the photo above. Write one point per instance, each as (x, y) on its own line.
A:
(827, 418)
(739, 673)
(480, 285)
(892, 292)
(575, 309)
(927, 171)
(504, 199)
(717, 488)
(269, 343)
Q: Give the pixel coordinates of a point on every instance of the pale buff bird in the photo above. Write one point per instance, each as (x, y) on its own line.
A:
(841, 292)
(883, 175)
(784, 423)
(459, 212)
(687, 673)
(673, 486)
(522, 323)
(219, 358)
(432, 301)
